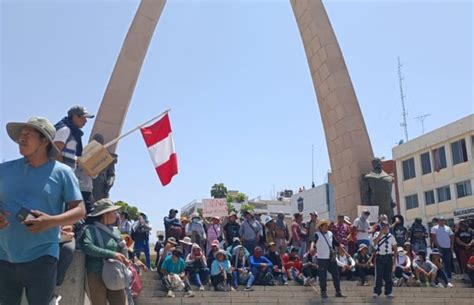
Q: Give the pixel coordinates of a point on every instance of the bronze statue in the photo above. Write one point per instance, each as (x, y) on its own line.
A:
(377, 189)
(102, 184)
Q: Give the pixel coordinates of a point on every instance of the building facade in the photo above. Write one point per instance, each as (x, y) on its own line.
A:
(319, 199)
(435, 173)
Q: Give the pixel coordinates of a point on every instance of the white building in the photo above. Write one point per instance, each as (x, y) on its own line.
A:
(319, 199)
(435, 173)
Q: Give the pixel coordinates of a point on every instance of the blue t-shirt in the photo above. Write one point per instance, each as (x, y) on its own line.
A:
(47, 189)
(173, 267)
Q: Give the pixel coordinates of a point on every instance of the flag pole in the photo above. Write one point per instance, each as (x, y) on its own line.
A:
(136, 128)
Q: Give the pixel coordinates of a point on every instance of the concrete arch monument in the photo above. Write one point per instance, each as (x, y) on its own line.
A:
(348, 143)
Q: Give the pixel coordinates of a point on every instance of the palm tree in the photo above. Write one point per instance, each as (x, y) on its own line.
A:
(219, 190)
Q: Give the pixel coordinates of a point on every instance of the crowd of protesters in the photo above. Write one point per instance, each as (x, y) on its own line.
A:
(255, 249)
(47, 211)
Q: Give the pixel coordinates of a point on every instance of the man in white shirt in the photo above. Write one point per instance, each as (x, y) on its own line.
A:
(443, 239)
(362, 226)
(385, 246)
(326, 246)
(68, 140)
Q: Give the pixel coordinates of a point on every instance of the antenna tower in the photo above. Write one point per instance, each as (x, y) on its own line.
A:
(402, 96)
(421, 119)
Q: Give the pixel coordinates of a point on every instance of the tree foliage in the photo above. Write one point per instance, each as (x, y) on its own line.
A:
(246, 207)
(219, 190)
(131, 210)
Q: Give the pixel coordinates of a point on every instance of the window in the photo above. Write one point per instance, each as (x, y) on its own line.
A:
(439, 159)
(444, 193)
(429, 197)
(411, 202)
(464, 189)
(425, 163)
(459, 151)
(409, 169)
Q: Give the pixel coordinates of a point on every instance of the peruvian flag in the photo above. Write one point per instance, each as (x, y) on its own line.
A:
(159, 140)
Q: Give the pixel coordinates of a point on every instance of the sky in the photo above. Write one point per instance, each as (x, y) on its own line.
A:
(234, 73)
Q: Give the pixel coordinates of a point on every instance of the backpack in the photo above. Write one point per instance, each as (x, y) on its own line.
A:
(136, 283)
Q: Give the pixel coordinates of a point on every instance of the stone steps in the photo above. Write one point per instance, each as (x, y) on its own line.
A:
(295, 294)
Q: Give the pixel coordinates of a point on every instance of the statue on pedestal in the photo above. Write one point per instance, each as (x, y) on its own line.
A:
(377, 189)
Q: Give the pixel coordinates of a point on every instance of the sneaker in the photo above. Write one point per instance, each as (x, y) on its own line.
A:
(366, 283)
(450, 285)
(306, 282)
(232, 289)
(201, 288)
(248, 289)
(340, 295)
(324, 294)
(285, 283)
(55, 300)
(170, 294)
(375, 295)
(189, 294)
(390, 296)
(433, 285)
(440, 285)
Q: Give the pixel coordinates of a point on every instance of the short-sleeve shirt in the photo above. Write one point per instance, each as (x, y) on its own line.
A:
(46, 188)
(465, 236)
(443, 234)
(322, 244)
(400, 233)
(231, 231)
(385, 244)
(362, 225)
(173, 267)
(427, 265)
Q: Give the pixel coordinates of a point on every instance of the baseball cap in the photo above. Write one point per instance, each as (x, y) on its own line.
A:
(79, 111)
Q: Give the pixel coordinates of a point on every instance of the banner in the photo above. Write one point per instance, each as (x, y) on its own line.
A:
(214, 207)
(374, 212)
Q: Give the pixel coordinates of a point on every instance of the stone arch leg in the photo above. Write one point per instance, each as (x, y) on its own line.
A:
(350, 151)
(113, 109)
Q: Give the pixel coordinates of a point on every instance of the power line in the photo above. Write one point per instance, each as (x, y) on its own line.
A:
(421, 119)
(402, 96)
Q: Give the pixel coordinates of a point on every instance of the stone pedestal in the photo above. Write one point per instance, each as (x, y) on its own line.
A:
(72, 290)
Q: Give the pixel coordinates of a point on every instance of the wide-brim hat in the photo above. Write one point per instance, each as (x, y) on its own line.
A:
(103, 206)
(186, 241)
(400, 249)
(216, 217)
(322, 222)
(215, 242)
(42, 125)
(220, 252)
(233, 213)
(172, 241)
(249, 212)
(266, 219)
(362, 247)
(195, 215)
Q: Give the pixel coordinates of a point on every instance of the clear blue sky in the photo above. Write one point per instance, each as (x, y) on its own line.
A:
(236, 76)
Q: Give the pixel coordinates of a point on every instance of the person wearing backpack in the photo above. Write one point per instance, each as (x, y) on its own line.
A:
(99, 243)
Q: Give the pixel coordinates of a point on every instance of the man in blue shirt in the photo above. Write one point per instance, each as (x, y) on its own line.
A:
(42, 187)
(261, 267)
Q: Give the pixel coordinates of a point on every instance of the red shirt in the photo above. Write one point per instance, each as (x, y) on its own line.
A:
(342, 232)
(288, 263)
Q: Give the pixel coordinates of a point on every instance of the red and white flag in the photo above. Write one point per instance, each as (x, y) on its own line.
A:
(159, 140)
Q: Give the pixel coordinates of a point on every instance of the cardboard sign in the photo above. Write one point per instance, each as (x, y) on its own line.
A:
(95, 159)
(214, 207)
(374, 212)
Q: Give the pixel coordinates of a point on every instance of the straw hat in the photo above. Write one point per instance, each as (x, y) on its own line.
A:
(322, 222)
